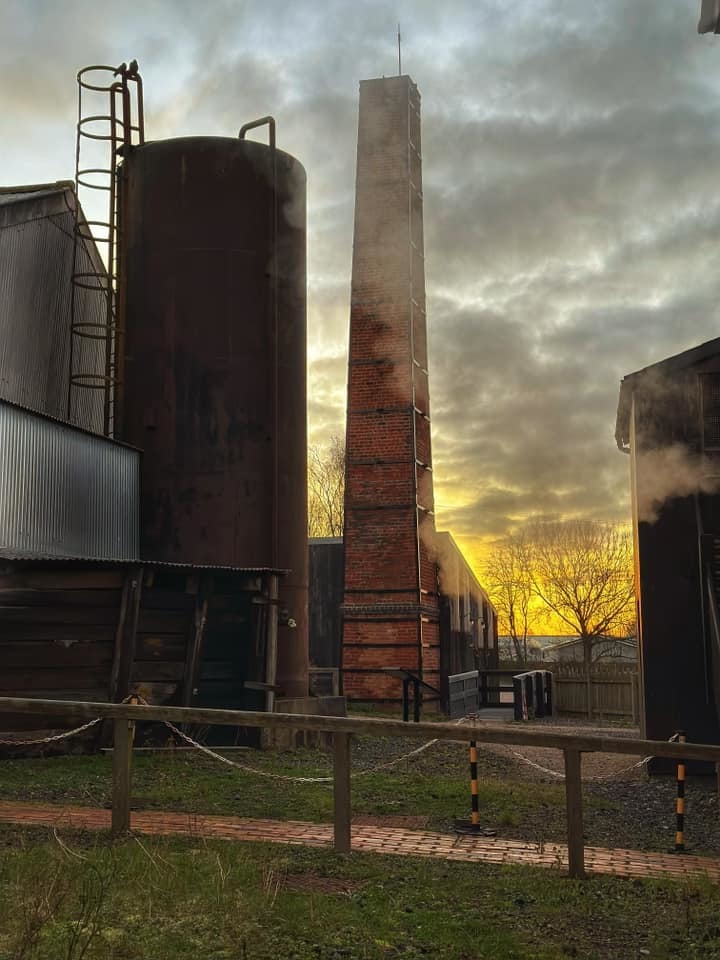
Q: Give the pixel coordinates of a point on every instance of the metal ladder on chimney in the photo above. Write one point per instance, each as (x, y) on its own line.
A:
(118, 130)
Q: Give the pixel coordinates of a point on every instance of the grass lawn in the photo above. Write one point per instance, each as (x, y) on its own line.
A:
(435, 786)
(81, 896)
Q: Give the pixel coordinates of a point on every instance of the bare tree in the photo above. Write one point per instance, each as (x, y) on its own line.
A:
(506, 579)
(583, 572)
(326, 488)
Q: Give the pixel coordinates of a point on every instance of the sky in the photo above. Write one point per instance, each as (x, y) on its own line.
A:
(571, 162)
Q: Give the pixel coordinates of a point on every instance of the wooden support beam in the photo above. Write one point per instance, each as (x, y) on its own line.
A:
(341, 791)
(125, 634)
(123, 734)
(195, 642)
(574, 801)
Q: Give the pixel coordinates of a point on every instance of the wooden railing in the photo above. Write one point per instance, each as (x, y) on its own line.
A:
(343, 728)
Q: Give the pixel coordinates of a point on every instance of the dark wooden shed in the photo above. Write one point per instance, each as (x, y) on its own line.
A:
(668, 421)
(74, 629)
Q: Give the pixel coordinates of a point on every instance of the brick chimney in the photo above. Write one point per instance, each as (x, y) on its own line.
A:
(390, 608)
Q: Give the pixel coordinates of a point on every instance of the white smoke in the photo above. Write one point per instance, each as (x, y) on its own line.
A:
(666, 473)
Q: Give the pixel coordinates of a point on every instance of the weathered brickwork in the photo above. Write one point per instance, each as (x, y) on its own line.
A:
(366, 478)
(380, 436)
(390, 597)
(388, 633)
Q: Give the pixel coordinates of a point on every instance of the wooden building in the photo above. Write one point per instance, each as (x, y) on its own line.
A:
(73, 629)
(668, 421)
(81, 617)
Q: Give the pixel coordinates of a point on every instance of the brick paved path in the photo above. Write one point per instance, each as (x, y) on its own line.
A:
(392, 840)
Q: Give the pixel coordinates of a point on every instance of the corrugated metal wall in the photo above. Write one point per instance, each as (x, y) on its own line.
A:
(36, 262)
(64, 492)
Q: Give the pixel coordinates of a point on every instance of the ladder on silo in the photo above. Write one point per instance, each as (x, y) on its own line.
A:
(96, 317)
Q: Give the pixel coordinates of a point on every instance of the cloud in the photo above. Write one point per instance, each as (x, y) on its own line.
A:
(571, 206)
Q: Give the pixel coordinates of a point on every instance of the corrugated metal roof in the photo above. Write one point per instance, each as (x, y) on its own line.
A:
(10, 195)
(24, 188)
(69, 426)
(20, 557)
(9, 198)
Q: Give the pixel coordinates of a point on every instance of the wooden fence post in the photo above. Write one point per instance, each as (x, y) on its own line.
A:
(341, 791)
(124, 731)
(574, 800)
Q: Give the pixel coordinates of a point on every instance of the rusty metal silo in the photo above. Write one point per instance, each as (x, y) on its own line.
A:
(214, 381)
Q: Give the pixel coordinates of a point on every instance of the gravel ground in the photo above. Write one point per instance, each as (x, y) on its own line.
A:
(624, 807)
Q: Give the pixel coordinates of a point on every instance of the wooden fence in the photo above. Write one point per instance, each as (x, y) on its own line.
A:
(612, 691)
(124, 716)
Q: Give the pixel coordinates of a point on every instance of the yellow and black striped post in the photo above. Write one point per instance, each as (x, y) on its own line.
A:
(475, 809)
(680, 807)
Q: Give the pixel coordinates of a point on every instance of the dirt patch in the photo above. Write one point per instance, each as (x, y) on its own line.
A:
(336, 886)
(411, 823)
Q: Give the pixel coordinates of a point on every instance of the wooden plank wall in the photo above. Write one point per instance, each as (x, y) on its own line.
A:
(57, 635)
(325, 597)
(164, 632)
(97, 633)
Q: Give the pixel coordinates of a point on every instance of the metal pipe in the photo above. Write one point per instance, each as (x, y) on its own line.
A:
(271, 625)
(253, 125)
(263, 121)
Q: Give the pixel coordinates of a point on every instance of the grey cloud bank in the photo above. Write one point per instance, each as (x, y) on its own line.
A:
(571, 206)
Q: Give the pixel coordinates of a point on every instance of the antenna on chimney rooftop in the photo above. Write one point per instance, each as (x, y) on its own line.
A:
(399, 57)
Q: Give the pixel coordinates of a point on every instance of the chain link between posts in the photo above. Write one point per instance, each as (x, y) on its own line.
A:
(286, 777)
(66, 734)
(51, 739)
(607, 776)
